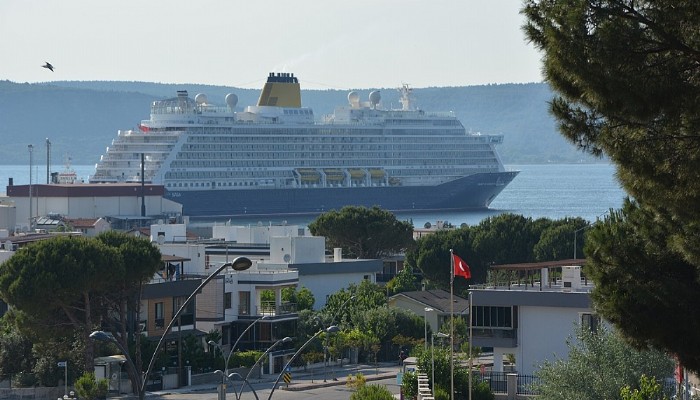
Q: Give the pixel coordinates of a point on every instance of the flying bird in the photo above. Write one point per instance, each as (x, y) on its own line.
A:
(48, 66)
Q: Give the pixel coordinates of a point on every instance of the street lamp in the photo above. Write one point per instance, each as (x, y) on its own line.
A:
(236, 375)
(330, 329)
(326, 361)
(340, 309)
(31, 166)
(576, 236)
(239, 264)
(432, 355)
(286, 339)
(228, 357)
(425, 323)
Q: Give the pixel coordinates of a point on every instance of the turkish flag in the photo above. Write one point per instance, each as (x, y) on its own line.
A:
(461, 267)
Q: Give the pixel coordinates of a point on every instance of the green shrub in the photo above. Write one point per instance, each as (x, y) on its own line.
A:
(409, 385)
(356, 382)
(440, 393)
(89, 389)
(312, 357)
(372, 392)
(244, 358)
(24, 379)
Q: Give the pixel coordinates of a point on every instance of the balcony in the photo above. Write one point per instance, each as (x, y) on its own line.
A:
(271, 309)
(268, 308)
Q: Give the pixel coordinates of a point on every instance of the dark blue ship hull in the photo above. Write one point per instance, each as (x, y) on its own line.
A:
(471, 192)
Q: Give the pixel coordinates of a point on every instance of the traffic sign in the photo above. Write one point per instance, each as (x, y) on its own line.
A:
(62, 364)
(287, 377)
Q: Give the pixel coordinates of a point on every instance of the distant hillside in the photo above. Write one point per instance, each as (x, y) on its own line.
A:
(81, 118)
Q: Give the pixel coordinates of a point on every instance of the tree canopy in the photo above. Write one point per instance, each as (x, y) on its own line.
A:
(647, 290)
(404, 281)
(67, 284)
(599, 365)
(627, 75)
(502, 239)
(363, 232)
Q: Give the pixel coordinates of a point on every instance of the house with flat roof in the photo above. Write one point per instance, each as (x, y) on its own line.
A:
(530, 310)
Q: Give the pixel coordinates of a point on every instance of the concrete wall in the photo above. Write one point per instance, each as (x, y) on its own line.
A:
(542, 335)
(38, 393)
(8, 217)
(300, 249)
(325, 285)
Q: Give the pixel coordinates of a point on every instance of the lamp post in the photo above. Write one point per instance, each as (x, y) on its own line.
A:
(425, 322)
(236, 375)
(432, 355)
(326, 361)
(239, 264)
(228, 357)
(31, 166)
(576, 237)
(245, 380)
(222, 389)
(330, 329)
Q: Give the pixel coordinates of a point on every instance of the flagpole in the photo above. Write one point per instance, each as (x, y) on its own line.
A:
(470, 343)
(452, 326)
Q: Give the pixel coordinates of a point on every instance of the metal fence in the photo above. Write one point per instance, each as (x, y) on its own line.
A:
(498, 382)
(526, 384)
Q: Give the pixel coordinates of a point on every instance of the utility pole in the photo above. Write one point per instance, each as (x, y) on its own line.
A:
(31, 166)
(48, 161)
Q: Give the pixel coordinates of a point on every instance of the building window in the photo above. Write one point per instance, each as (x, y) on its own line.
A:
(187, 315)
(227, 300)
(158, 315)
(492, 317)
(243, 303)
(225, 335)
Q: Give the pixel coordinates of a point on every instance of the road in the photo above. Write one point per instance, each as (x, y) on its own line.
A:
(304, 385)
(339, 392)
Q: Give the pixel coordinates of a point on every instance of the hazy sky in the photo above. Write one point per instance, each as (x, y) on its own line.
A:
(350, 44)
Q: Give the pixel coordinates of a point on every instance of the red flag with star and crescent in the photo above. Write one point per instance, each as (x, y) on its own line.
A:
(461, 268)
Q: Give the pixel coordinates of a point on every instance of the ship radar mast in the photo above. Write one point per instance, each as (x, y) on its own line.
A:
(406, 96)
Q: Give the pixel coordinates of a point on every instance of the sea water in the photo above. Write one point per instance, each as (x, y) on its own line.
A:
(552, 191)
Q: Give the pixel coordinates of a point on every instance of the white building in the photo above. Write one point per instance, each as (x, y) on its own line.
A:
(283, 256)
(532, 318)
(89, 201)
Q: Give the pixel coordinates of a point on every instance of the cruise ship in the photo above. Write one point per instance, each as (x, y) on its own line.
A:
(278, 158)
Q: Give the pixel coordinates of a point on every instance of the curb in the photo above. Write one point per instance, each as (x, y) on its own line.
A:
(304, 386)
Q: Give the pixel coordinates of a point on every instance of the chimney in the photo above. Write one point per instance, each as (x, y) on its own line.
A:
(337, 254)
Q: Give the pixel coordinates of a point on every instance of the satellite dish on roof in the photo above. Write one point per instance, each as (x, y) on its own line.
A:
(287, 258)
(8, 245)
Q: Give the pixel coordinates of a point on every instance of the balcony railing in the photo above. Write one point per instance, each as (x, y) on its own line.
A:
(271, 309)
